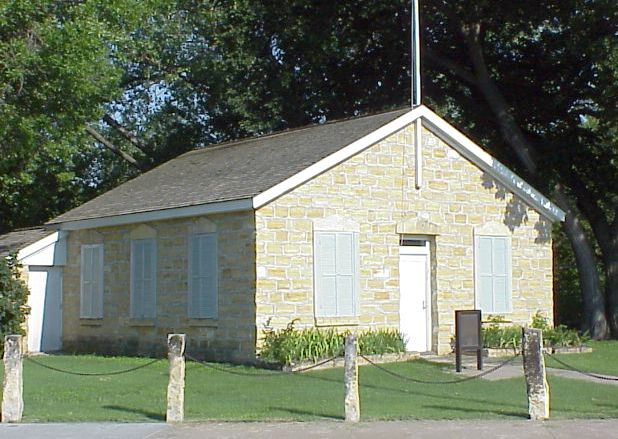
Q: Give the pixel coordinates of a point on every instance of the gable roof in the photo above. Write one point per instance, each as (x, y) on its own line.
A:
(249, 173)
(19, 239)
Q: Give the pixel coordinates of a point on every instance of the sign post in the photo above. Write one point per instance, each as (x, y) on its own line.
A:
(468, 336)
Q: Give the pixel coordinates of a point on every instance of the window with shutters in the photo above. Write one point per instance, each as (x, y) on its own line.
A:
(493, 273)
(203, 276)
(336, 268)
(91, 282)
(143, 278)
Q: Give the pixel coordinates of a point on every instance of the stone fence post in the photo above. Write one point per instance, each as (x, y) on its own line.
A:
(12, 389)
(534, 370)
(176, 384)
(350, 379)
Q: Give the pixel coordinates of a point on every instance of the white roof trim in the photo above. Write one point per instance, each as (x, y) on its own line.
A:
(487, 163)
(158, 215)
(448, 134)
(38, 246)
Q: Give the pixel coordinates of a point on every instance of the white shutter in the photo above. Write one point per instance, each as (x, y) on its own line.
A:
(203, 276)
(91, 291)
(143, 278)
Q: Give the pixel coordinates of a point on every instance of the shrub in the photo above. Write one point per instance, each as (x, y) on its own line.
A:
(495, 336)
(382, 341)
(508, 337)
(289, 345)
(13, 299)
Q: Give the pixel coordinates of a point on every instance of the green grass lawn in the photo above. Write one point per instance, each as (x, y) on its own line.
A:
(216, 395)
(603, 359)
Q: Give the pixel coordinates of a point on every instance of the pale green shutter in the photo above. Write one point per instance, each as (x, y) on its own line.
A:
(336, 273)
(97, 281)
(208, 288)
(484, 273)
(203, 276)
(493, 266)
(149, 288)
(325, 274)
(91, 291)
(136, 275)
(143, 278)
(194, 277)
(85, 306)
(500, 275)
(345, 274)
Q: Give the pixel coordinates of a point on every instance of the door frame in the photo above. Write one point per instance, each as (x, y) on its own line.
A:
(419, 250)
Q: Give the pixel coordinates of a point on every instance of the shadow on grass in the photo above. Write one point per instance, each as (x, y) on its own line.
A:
(451, 397)
(147, 414)
(307, 413)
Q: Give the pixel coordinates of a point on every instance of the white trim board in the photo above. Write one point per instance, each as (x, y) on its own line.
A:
(38, 246)
(487, 163)
(159, 215)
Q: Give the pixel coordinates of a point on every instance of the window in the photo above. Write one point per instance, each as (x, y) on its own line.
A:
(91, 284)
(143, 278)
(493, 273)
(203, 277)
(336, 263)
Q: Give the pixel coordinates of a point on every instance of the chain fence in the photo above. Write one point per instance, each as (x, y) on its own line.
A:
(93, 374)
(456, 381)
(582, 372)
(274, 373)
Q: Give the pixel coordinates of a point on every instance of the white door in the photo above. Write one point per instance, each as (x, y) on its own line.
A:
(45, 301)
(415, 300)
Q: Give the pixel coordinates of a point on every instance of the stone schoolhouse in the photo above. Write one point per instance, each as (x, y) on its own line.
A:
(393, 220)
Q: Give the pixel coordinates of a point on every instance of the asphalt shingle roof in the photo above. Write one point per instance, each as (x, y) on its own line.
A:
(19, 239)
(231, 171)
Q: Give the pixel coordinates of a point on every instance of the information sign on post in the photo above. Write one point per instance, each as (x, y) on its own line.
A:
(468, 336)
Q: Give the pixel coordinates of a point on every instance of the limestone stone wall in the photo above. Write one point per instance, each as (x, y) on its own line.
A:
(231, 336)
(376, 190)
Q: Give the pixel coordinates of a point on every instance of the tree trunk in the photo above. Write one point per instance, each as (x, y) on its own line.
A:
(595, 320)
(611, 289)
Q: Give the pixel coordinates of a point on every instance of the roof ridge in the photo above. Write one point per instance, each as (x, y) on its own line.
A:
(256, 137)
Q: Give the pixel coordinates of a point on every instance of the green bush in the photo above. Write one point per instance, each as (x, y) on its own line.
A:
(508, 337)
(496, 336)
(382, 341)
(289, 345)
(13, 299)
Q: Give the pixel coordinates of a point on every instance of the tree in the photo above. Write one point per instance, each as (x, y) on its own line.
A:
(13, 299)
(59, 66)
(543, 75)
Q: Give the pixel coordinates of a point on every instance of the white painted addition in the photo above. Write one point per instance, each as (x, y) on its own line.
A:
(45, 302)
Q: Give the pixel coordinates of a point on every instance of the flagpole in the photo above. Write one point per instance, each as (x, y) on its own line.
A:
(416, 92)
(416, 54)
